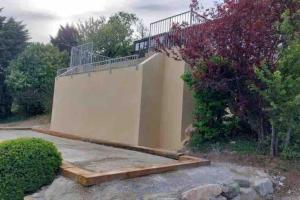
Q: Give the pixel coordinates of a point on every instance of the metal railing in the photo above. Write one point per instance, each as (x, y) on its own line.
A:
(160, 29)
(108, 64)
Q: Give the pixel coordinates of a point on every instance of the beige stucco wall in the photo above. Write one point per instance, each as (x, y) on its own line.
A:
(149, 106)
(99, 105)
(172, 101)
(153, 74)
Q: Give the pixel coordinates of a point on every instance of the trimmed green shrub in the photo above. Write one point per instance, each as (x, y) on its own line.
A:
(26, 164)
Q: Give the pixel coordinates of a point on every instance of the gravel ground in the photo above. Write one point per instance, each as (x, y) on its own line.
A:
(156, 187)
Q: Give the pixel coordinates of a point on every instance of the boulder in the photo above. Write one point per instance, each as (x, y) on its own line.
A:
(248, 194)
(237, 198)
(204, 192)
(263, 187)
(244, 183)
(231, 190)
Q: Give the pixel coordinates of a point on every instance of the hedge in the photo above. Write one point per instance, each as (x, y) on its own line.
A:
(26, 164)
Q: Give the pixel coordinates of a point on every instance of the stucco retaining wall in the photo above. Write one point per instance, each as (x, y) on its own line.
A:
(148, 106)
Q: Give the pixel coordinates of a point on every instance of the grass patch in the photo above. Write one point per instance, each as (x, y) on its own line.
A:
(241, 146)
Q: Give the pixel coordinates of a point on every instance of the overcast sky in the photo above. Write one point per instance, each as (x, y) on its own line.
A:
(43, 17)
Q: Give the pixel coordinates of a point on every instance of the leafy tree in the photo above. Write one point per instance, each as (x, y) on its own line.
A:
(67, 37)
(90, 27)
(13, 37)
(281, 90)
(112, 37)
(30, 77)
(244, 34)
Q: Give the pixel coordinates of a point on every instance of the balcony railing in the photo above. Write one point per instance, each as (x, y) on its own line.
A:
(159, 30)
(108, 64)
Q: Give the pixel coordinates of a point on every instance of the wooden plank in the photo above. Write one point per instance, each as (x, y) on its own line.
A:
(98, 178)
(73, 172)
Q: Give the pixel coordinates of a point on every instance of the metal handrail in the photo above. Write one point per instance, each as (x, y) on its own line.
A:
(161, 28)
(108, 64)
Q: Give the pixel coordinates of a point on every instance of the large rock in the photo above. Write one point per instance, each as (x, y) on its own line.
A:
(205, 192)
(237, 198)
(231, 190)
(248, 194)
(244, 183)
(263, 187)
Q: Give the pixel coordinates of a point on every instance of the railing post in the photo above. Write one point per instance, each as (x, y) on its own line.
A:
(110, 69)
(191, 17)
(149, 38)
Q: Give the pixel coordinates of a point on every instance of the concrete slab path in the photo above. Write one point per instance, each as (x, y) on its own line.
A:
(93, 157)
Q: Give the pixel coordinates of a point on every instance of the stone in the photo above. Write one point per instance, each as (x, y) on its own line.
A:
(190, 130)
(218, 198)
(161, 196)
(281, 178)
(244, 183)
(237, 198)
(231, 190)
(204, 192)
(269, 197)
(28, 198)
(263, 187)
(248, 194)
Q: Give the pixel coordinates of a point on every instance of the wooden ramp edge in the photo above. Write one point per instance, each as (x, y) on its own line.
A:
(88, 178)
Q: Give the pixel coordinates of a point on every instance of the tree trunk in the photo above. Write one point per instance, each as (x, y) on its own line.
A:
(274, 141)
(288, 138)
(261, 130)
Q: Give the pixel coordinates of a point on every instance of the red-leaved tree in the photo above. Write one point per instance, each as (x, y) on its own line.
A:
(244, 34)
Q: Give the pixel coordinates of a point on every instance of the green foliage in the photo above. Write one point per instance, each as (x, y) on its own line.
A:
(30, 77)
(26, 164)
(242, 146)
(291, 153)
(13, 118)
(211, 118)
(281, 92)
(112, 37)
(67, 37)
(13, 37)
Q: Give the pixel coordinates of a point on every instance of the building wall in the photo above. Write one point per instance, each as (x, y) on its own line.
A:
(187, 110)
(171, 105)
(148, 107)
(99, 105)
(153, 74)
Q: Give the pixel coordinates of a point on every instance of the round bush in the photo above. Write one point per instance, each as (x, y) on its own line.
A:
(26, 164)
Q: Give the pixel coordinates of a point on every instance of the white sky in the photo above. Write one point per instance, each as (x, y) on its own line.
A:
(43, 17)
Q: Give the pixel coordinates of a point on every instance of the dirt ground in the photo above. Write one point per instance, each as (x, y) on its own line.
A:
(40, 121)
(275, 167)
